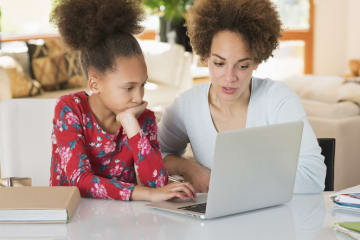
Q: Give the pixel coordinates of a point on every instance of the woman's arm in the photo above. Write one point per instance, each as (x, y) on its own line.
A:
(311, 171)
(173, 141)
(192, 171)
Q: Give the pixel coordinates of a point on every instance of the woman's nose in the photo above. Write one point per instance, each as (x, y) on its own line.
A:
(230, 74)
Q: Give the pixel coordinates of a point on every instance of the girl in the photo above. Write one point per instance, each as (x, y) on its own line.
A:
(101, 140)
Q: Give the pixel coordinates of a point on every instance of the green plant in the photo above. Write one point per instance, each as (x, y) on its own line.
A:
(171, 10)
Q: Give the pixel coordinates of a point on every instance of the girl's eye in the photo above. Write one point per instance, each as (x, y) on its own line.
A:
(129, 88)
(218, 64)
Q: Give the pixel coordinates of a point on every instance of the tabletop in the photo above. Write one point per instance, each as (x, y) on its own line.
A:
(304, 217)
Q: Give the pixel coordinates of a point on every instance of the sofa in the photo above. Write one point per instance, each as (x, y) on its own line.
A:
(169, 70)
(332, 105)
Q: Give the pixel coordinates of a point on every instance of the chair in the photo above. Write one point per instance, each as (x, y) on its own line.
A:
(328, 151)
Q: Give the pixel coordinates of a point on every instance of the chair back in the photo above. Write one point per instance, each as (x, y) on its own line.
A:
(328, 151)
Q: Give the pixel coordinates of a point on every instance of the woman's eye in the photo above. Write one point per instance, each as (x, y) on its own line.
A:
(218, 64)
(244, 66)
(129, 88)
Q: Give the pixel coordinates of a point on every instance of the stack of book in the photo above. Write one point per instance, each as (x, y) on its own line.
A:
(38, 204)
(349, 201)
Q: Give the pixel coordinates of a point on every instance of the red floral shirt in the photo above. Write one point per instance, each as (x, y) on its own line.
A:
(100, 164)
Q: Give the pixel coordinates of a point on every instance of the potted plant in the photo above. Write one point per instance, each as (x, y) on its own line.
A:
(172, 18)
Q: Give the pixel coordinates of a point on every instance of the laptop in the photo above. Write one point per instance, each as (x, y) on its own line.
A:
(252, 168)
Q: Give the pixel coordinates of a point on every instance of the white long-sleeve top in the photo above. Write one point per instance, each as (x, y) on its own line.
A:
(188, 119)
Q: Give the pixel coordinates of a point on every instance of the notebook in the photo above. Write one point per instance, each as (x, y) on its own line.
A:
(347, 199)
(38, 204)
(351, 229)
(252, 168)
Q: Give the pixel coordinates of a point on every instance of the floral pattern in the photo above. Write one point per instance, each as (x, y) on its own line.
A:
(102, 165)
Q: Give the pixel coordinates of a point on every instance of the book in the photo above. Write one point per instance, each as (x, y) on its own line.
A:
(38, 204)
(347, 198)
(351, 229)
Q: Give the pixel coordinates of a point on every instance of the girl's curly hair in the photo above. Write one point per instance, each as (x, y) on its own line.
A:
(100, 29)
(256, 20)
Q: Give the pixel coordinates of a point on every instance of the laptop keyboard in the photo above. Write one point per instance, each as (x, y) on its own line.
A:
(200, 208)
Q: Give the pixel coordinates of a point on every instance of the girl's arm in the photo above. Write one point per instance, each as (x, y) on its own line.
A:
(72, 163)
(146, 153)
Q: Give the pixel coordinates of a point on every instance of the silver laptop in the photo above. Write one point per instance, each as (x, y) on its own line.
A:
(252, 168)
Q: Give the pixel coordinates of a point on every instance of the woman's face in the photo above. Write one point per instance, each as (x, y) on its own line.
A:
(230, 65)
(123, 87)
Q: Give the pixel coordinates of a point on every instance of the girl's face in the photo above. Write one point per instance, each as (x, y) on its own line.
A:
(230, 65)
(123, 87)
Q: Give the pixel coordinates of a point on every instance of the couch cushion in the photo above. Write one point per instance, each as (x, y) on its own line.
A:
(19, 51)
(160, 95)
(330, 110)
(20, 84)
(54, 65)
(350, 91)
(164, 61)
(320, 88)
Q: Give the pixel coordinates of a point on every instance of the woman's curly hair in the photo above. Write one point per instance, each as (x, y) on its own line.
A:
(100, 29)
(256, 20)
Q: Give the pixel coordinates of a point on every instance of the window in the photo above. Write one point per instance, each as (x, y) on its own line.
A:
(31, 20)
(295, 53)
(294, 14)
(23, 17)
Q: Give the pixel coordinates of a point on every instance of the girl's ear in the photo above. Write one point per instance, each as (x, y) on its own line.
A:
(93, 81)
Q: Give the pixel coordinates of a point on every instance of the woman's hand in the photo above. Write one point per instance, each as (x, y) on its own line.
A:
(182, 190)
(198, 176)
(128, 119)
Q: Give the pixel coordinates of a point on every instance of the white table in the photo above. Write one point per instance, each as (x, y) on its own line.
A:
(305, 217)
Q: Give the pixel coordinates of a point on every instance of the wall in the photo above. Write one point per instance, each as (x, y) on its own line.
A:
(353, 50)
(337, 35)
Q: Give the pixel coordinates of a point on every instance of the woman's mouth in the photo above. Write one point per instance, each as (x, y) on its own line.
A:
(228, 90)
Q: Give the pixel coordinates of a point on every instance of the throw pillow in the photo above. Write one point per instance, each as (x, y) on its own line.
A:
(21, 85)
(54, 65)
(50, 72)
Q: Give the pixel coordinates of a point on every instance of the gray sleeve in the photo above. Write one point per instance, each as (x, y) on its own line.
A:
(173, 136)
(311, 171)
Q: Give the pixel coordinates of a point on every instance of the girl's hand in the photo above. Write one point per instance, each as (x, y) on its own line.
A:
(128, 119)
(182, 190)
(133, 112)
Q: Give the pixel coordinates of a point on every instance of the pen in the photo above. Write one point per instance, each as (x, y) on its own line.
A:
(175, 179)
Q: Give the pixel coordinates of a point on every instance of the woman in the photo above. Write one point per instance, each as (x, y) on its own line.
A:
(234, 37)
(101, 140)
